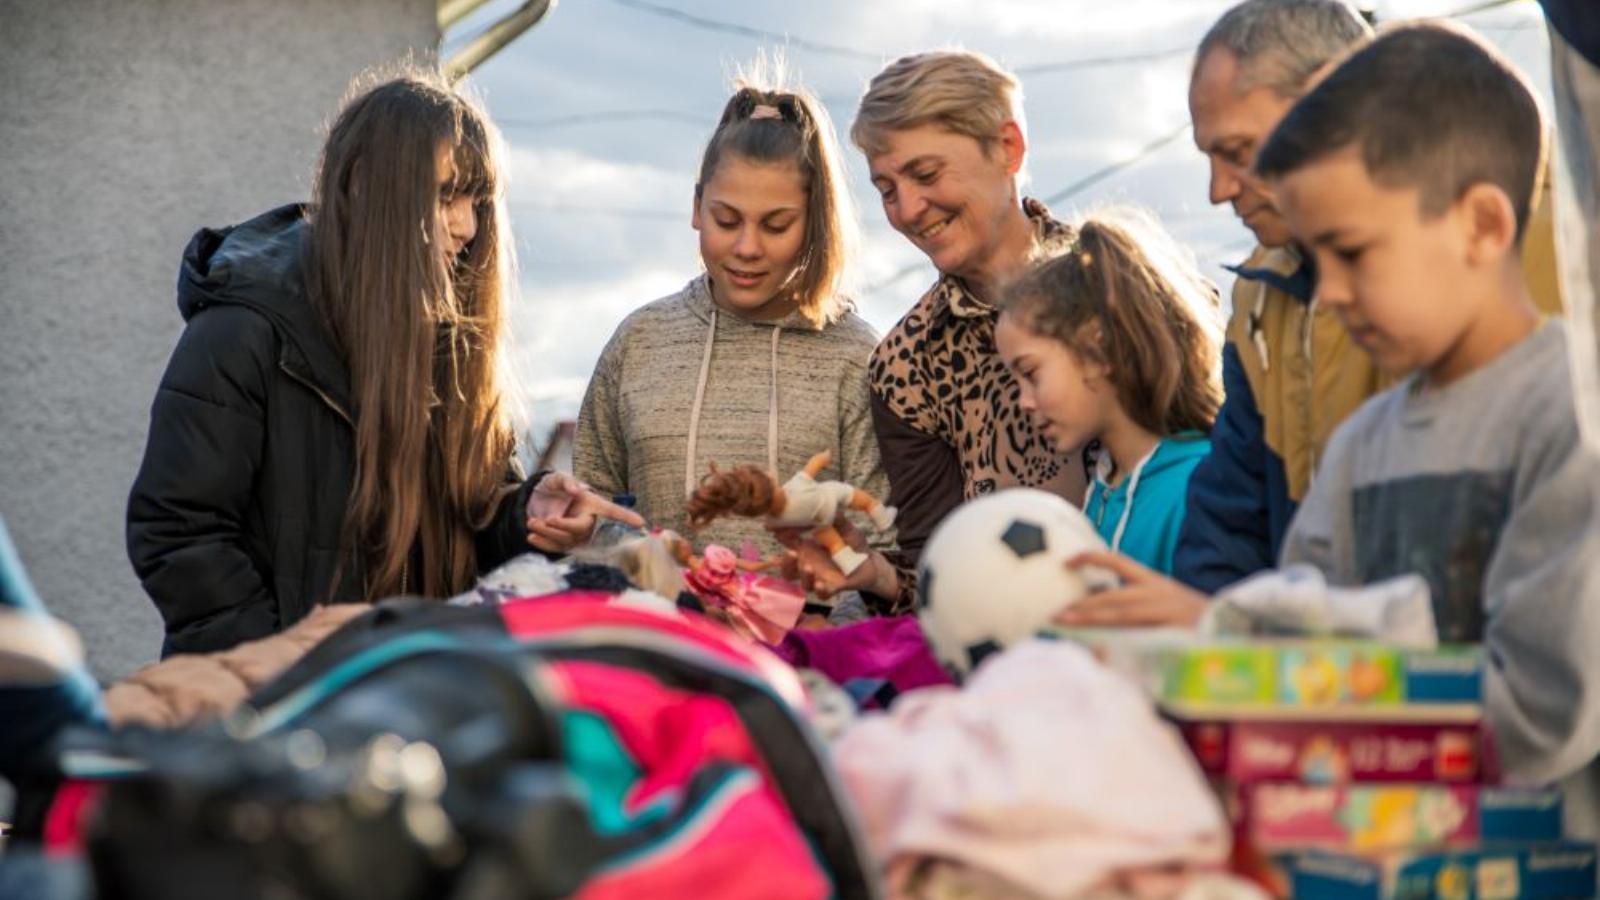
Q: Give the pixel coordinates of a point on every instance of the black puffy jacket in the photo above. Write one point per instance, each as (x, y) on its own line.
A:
(1578, 23)
(234, 520)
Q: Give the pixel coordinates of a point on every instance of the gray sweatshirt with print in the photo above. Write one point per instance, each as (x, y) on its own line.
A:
(1483, 488)
(771, 393)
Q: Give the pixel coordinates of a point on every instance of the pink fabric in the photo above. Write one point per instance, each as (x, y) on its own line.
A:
(1047, 770)
(557, 615)
(744, 843)
(723, 862)
(70, 812)
(891, 648)
(763, 608)
(669, 733)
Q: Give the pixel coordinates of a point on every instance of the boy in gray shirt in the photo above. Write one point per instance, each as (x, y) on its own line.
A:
(1407, 174)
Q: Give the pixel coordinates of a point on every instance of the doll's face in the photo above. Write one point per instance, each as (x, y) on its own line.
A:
(752, 222)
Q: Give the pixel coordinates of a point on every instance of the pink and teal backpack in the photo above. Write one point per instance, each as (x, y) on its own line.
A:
(557, 747)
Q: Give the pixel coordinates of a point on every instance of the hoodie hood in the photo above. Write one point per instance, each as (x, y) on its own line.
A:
(1173, 452)
(1172, 460)
(261, 265)
(697, 295)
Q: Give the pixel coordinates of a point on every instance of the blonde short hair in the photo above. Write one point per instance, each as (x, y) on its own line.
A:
(961, 90)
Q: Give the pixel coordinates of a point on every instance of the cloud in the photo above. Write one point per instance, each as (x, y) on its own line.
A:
(559, 329)
(596, 202)
(1031, 22)
(579, 218)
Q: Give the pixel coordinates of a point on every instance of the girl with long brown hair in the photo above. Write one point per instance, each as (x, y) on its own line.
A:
(333, 425)
(758, 360)
(1115, 339)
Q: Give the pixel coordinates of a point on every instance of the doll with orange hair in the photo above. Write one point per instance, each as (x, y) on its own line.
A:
(800, 502)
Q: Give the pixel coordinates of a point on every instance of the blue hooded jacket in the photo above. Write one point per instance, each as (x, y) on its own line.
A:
(1142, 515)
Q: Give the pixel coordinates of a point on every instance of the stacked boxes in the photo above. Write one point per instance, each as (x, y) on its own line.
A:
(1355, 768)
(1483, 873)
(1343, 677)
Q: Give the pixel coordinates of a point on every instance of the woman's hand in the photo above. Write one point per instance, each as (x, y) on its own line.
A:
(1145, 598)
(809, 564)
(562, 513)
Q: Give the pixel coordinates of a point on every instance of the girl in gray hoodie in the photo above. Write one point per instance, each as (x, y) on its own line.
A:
(758, 360)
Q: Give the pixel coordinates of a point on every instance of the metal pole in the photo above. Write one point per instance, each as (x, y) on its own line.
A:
(495, 37)
(453, 11)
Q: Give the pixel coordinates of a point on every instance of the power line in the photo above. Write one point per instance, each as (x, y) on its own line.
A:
(1068, 65)
(611, 115)
(724, 27)
(747, 31)
(709, 24)
(1065, 193)
(619, 212)
(1476, 8)
(1105, 172)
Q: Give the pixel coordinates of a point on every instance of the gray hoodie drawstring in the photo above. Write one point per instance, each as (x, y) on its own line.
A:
(689, 472)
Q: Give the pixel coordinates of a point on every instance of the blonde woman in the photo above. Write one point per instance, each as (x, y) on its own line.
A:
(944, 137)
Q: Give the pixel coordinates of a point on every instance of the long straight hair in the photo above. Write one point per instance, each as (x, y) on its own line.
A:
(422, 335)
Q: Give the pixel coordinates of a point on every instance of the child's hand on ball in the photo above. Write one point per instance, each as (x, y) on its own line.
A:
(1145, 597)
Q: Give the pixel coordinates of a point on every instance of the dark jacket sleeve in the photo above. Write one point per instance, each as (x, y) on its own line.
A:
(1578, 23)
(506, 534)
(924, 485)
(1226, 534)
(188, 505)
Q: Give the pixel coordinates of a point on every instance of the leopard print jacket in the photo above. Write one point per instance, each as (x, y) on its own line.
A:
(937, 371)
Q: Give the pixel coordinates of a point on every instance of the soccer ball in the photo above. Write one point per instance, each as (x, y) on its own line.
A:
(995, 572)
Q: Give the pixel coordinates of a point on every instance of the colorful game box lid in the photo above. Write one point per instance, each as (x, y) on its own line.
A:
(1337, 753)
(1281, 816)
(1530, 871)
(1199, 678)
(1317, 674)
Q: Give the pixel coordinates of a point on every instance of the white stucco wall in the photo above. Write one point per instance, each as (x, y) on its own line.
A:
(124, 126)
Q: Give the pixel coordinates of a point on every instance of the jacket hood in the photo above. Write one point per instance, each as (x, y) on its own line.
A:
(1176, 450)
(260, 264)
(1283, 268)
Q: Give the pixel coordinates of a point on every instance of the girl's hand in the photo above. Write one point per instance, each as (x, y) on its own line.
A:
(1145, 598)
(562, 513)
(809, 564)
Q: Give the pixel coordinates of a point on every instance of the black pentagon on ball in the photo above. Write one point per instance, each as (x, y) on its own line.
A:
(977, 653)
(925, 589)
(1024, 538)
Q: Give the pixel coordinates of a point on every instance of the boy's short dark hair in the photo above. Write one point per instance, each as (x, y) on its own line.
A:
(1430, 106)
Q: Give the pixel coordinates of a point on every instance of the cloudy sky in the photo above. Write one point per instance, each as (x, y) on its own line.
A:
(606, 106)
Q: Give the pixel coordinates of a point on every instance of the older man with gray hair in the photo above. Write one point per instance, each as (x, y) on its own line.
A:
(1291, 372)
